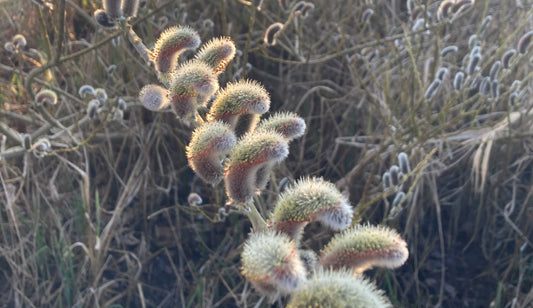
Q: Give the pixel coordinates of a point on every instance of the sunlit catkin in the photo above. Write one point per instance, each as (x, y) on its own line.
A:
(239, 99)
(524, 41)
(270, 261)
(209, 143)
(173, 42)
(217, 53)
(272, 33)
(253, 152)
(154, 97)
(310, 199)
(363, 247)
(288, 124)
(338, 289)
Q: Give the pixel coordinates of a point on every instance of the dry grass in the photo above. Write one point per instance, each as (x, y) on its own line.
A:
(103, 220)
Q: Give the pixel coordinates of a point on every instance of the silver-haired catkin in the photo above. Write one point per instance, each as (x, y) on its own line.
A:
(485, 24)
(458, 81)
(494, 89)
(473, 63)
(432, 89)
(524, 41)
(495, 70)
(441, 73)
(272, 33)
(386, 179)
(403, 161)
(394, 170)
(448, 50)
(484, 86)
(507, 56)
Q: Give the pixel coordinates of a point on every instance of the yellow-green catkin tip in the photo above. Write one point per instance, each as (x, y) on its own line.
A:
(270, 261)
(173, 42)
(46, 97)
(338, 289)
(209, 143)
(288, 124)
(217, 53)
(244, 97)
(363, 247)
(253, 152)
(154, 97)
(310, 199)
(193, 83)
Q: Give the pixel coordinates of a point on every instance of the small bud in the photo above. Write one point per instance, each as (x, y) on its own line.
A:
(92, 108)
(403, 160)
(448, 50)
(217, 53)
(9, 47)
(46, 97)
(111, 69)
(41, 147)
(495, 70)
(271, 263)
(458, 81)
(100, 94)
(310, 200)
(154, 97)
(507, 56)
(19, 40)
(85, 90)
(112, 8)
(272, 32)
(171, 44)
(210, 142)
(432, 89)
(103, 19)
(254, 151)
(524, 41)
(288, 124)
(121, 104)
(130, 7)
(338, 289)
(363, 247)
(194, 199)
